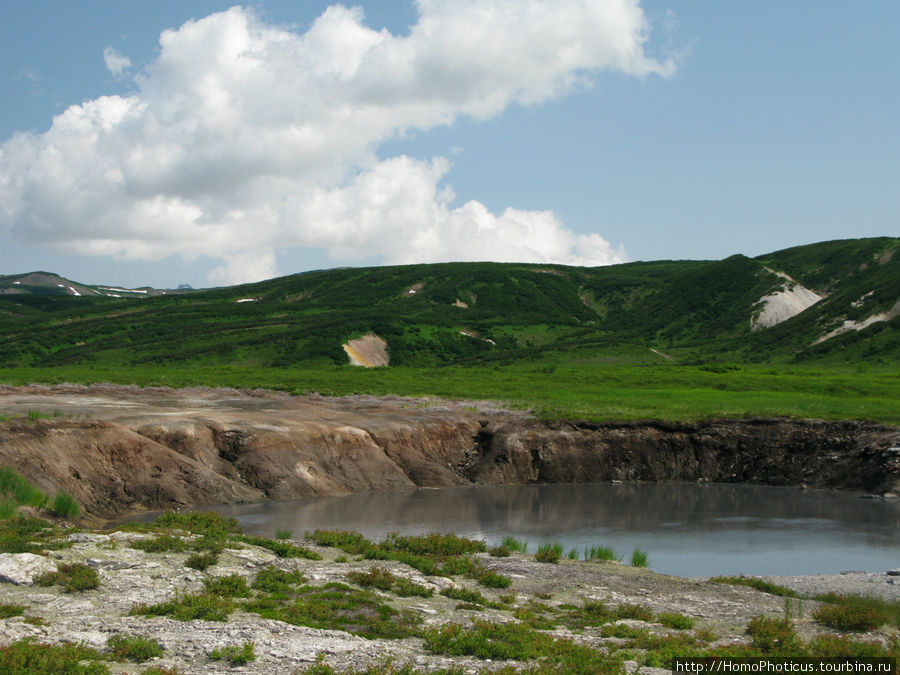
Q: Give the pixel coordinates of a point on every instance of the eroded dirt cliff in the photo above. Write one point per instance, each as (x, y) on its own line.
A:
(125, 449)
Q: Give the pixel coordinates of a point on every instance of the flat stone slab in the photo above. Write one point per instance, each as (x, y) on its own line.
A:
(22, 568)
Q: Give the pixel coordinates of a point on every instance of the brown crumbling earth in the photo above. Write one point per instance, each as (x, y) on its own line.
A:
(120, 449)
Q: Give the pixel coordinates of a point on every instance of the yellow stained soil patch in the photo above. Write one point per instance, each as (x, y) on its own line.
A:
(369, 351)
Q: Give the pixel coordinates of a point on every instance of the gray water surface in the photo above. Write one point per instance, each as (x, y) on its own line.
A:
(687, 529)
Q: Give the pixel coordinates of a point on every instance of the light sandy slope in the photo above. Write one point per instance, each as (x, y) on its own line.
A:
(783, 304)
(369, 351)
(859, 325)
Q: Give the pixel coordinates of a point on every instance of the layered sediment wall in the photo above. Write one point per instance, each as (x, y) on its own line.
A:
(122, 449)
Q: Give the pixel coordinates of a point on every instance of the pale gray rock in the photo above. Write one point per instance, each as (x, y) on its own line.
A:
(22, 568)
(87, 538)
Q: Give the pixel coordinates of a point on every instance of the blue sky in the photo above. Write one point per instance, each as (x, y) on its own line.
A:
(574, 131)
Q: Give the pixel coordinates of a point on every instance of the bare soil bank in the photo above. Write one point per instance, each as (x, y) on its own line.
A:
(125, 449)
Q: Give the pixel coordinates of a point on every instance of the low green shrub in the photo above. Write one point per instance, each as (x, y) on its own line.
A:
(283, 534)
(426, 565)
(758, 584)
(230, 586)
(406, 588)
(377, 576)
(516, 641)
(14, 487)
(27, 657)
(349, 542)
(659, 651)
(24, 534)
(849, 617)
(549, 553)
(536, 615)
(8, 509)
(842, 646)
(461, 565)
(591, 613)
(160, 544)
(630, 611)
(385, 580)
(493, 579)
(281, 548)
(201, 561)
(9, 610)
(236, 656)
(621, 630)
(72, 577)
(64, 505)
(675, 620)
(133, 648)
(205, 606)
(465, 595)
(206, 523)
(339, 607)
(849, 613)
(499, 551)
(774, 636)
(434, 544)
(274, 580)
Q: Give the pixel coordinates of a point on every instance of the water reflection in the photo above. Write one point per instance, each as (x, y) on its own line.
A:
(688, 529)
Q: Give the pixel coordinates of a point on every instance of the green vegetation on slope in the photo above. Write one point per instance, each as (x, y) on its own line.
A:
(636, 340)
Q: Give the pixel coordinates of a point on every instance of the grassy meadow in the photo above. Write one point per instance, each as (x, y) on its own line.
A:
(573, 390)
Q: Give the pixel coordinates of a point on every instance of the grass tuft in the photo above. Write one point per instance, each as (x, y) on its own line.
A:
(639, 558)
(549, 553)
(604, 553)
(514, 544)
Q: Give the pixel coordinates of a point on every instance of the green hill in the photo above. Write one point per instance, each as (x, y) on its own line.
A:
(481, 313)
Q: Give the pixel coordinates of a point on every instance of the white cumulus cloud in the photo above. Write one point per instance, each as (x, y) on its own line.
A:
(115, 62)
(244, 138)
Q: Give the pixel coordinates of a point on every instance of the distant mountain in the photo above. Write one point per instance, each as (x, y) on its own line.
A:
(47, 283)
(833, 301)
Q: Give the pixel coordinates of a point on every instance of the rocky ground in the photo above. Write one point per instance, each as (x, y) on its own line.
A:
(129, 576)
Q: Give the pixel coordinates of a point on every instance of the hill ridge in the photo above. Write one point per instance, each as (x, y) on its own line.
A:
(834, 300)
